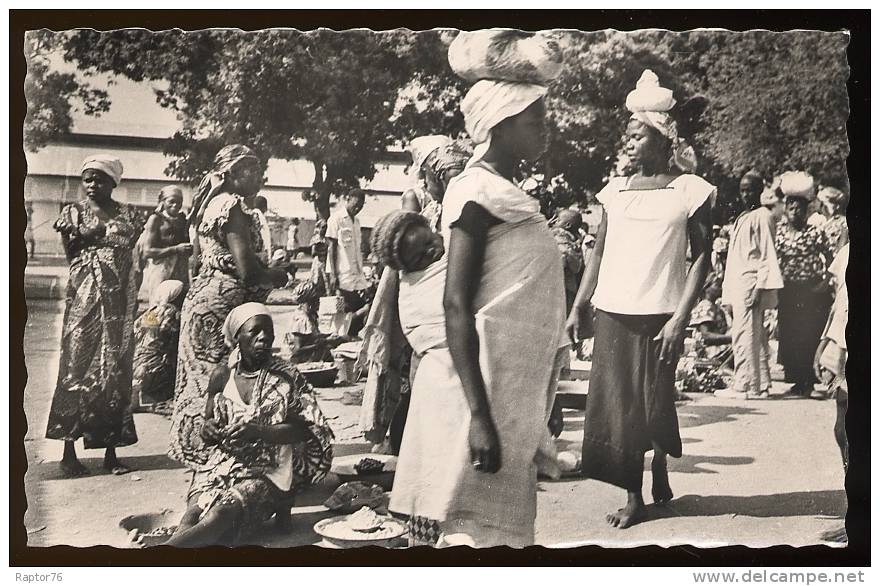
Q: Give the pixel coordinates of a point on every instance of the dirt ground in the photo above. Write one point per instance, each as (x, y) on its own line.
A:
(755, 473)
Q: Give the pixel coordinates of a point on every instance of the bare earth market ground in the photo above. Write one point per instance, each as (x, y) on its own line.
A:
(756, 473)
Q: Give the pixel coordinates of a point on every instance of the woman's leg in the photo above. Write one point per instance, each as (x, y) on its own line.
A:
(631, 513)
(840, 427)
(71, 467)
(660, 489)
(112, 463)
(217, 527)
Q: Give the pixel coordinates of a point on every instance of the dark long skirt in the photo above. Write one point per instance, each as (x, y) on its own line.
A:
(631, 402)
(802, 316)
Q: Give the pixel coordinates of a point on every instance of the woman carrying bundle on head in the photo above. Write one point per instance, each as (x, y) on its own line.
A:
(487, 357)
(227, 273)
(643, 292)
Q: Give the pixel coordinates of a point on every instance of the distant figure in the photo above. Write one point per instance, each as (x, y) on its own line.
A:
(165, 243)
(29, 241)
(835, 228)
(156, 334)
(292, 244)
(261, 207)
(344, 257)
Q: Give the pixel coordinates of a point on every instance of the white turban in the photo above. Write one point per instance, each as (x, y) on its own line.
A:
(166, 292)
(107, 164)
(797, 184)
(237, 318)
(490, 102)
(422, 146)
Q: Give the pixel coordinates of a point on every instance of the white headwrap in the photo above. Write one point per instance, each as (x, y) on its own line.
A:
(237, 318)
(650, 104)
(107, 164)
(166, 292)
(422, 146)
(490, 102)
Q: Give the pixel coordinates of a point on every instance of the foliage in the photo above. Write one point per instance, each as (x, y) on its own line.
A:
(51, 95)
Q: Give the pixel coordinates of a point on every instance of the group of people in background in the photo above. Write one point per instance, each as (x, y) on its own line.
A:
(479, 304)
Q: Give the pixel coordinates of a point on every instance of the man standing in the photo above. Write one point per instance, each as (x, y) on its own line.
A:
(292, 244)
(344, 258)
(751, 280)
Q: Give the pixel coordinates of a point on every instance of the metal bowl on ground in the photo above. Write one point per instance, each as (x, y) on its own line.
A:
(150, 529)
(337, 533)
(319, 374)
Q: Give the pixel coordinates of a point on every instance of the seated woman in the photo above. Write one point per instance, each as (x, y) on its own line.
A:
(701, 372)
(268, 437)
(156, 334)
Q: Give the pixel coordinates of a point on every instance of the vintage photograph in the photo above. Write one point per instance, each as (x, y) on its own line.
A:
(436, 288)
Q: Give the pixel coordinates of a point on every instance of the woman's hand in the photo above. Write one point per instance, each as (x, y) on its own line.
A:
(817, 367)
(94, 232)
(211, 432)
(822, 286)
(244, 431)
(671, 340)
(573, 325)
(484, 444)
(184, 248)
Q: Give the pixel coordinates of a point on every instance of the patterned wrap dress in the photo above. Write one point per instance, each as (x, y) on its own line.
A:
(255, 474)
(93, 395)
(215, 292)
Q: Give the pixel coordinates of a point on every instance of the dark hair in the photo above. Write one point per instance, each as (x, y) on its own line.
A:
(261, 203)
(356, 192)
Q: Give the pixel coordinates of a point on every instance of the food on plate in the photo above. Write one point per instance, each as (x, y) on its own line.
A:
(369, 466)
(365, 520)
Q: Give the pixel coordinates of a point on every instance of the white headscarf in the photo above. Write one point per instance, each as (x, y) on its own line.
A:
(237, 318)
(422, 146)
(166, 292)
(107, 164)
(650, 104)
(490, 102)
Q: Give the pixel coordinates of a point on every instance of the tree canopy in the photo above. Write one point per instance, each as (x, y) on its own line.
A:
(774, 101)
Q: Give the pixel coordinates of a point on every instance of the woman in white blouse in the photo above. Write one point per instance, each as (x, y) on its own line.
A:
(643, 292)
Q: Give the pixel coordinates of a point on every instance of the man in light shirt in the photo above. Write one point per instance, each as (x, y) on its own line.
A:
(344, 257)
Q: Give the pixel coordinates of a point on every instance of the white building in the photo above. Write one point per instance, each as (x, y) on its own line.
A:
(53, 177)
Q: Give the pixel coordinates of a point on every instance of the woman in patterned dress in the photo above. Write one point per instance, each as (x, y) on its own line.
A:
(267, 435)
(93, 394)
(227, 273)
(804, 302)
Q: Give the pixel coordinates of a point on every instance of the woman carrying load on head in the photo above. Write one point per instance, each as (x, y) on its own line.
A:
(482, 384)
(92, 399)
(227, 274)
(643, 292)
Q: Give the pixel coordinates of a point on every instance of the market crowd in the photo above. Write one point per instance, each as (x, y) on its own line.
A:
(467, 324)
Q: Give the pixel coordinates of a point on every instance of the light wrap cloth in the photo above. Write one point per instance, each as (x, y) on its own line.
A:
(237, 318)
(490, 102)
(107, 164)
(166, 292)
(422, 146)
(519, 308)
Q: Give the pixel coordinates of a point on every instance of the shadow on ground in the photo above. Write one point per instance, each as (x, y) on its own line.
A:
(51, 470)
(792, 504)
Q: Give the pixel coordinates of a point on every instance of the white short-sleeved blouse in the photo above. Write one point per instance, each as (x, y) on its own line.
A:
(643, 265)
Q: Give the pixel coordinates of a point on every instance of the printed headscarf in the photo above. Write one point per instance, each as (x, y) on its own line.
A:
(422, 146)
(224, 161)
(650, 104)
(451, 156)
(107, 164)
(490, 102)
(164, 193)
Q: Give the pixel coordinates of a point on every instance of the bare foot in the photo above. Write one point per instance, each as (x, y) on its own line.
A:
(632, 513)
(660, 489)
(73, 469)
(115, 467)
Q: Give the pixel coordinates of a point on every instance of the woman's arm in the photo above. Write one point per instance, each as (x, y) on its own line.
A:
(467, 248)
(713, 338)
(588, 281)
(699, 229)
(332, 274)
(152, 245)
(251, 271)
